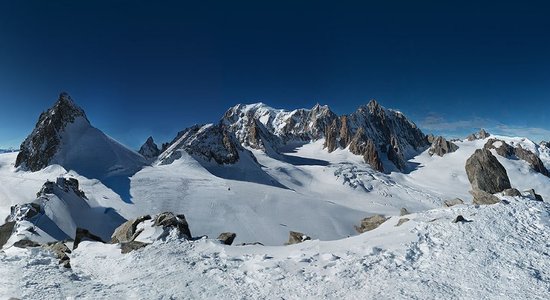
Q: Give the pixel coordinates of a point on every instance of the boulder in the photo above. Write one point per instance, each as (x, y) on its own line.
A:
(403, 212)
(486, 173)
(250, 244)
(6, 231)
(295, 237)
(371, 223)
(131, 246)
(402, 221)
(227, 238)
(85, 235)
(440, 146)
(483, 198)
(127, 232)
(171, 220)
(453, 202)
(511, 192)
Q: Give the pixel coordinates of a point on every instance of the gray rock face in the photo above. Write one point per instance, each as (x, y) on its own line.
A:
(370, 223)
(149, 150)
(26, 244)
(483, 198)
(42, 144)
(486, 173)
(5, 232)
(127, 232)
(511, 192)
(403, 212)
(453, 202)
(295, 237)
(440, 146)
(362, 146)
(227, 238)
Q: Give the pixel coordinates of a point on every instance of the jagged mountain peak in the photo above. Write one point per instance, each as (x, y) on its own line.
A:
(149, 149)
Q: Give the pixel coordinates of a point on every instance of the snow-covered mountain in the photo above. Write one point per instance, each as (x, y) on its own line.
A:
(64, 136)
(261, 173)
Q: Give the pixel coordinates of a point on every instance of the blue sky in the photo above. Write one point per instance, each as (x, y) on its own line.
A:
(143, 68)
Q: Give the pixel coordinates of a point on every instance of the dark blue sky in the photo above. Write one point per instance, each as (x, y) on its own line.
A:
(143, 68)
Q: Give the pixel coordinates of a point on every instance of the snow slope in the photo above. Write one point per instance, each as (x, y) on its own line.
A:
(501, 254)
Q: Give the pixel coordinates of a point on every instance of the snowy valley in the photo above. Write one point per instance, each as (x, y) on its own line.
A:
(366, 203)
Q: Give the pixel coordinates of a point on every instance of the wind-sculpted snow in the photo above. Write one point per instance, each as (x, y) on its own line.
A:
(501, 254)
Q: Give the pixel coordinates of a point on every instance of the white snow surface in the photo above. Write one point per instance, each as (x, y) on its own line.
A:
(503, 253)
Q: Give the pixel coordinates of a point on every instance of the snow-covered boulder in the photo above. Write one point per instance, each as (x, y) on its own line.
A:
(485, 172)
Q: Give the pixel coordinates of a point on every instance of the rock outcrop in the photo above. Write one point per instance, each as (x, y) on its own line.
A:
(402, 221)
(85, 235)
(511, 192)
(505, 150)
(227, 238)
(534, 195)
(486, 173)
(403, 212)
(295, 237)
(440, 146)
(149, 150)
(131, 234)
(370, 223)
(6, 231)
(483, 197)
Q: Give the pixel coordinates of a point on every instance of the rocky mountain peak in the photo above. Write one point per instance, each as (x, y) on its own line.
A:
(40, 146)
(149, 150)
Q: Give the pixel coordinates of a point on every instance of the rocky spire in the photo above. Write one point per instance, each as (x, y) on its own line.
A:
(149, 150)
(40, 146)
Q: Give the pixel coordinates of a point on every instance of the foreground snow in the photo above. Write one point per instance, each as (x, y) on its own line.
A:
(502, 254)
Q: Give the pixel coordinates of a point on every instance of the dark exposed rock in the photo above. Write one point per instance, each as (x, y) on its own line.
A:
(24, 211)
(68, 184)
(370, 223)
(250, 244)
(127, 232)
(500, 146)
(534, 195)
(227, 238)
(483, 198)
(149, 150)
(295, 237)
(440, 146)
(511, 192)
(131, 246)
(360, 145)
(6, 231)
(453, 202)
(26, 244)
(430, 137)
(402, 221)
(85, 235)
(42, 144)
(486, 173)
(460, 219)
(171, 220)
(403, 212)
(331, 136)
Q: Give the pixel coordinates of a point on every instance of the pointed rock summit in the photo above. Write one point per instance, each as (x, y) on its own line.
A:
(42, 144)
(64, 136)
(149, 150)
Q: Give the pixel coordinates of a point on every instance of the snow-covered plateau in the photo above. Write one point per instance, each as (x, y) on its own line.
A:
(262, 173)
